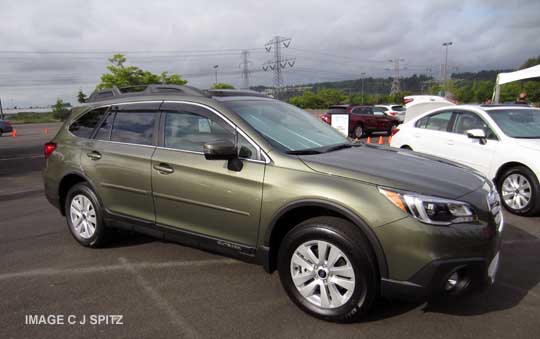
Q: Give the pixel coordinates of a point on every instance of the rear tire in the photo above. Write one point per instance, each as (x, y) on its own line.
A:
(406, 147)
(359, 132)
(340, 286)
(389, 132)
(84, 216)
(520, 191)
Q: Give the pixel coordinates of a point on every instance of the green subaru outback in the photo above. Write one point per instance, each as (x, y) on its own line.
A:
(250, 177)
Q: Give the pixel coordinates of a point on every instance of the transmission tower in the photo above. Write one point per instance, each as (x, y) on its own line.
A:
(244, 65)
(279, 62)
(396, 88)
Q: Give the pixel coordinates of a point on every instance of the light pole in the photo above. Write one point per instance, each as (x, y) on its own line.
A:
(363, 74)
(446, 44)
(215, 71)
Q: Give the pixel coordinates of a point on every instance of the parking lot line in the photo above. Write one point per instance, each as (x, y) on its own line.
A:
(183, 326)
(106, 268)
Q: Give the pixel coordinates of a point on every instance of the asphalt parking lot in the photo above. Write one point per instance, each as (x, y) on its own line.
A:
(163, 289)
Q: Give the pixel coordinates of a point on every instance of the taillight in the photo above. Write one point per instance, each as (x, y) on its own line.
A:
(49, 148)
(392, 113)
(7, 122)
(407, 100)
(394, 131)
(326, 118)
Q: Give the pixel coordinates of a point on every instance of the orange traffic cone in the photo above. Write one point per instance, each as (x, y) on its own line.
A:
(389, 140)
(14, 133)
(369, 139)
(46, 131)
(380, 140)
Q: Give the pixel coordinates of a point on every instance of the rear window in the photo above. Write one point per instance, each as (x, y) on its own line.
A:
(85, 125)
(337, 110)
(133, 127)
(398, 108)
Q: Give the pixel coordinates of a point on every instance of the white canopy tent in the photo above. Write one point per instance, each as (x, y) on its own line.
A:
(503, 78)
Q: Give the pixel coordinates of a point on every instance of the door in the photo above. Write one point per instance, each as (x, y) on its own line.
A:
(203, 196)
(469, 151)
(383, 122)
(118, 159)
(364, 115)
(430, 134)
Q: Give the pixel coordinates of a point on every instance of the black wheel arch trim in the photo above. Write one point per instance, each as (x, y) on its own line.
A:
(86, 179)
(356, 220)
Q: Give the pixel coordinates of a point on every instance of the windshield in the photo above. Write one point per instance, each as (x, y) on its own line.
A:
(286, 127)
(518, 123)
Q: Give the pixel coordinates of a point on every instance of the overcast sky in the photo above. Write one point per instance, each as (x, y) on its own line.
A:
(50, 49)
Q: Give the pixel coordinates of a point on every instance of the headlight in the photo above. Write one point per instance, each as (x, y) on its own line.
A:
(431, 210)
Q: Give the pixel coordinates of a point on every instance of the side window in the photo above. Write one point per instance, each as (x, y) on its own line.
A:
(190, 131)
(421, 123)
(85, 125)
(437, 122)
(246, 150)
(104, 131)
(468, 120)
(378, 111)
(133, 127)
(357, 110)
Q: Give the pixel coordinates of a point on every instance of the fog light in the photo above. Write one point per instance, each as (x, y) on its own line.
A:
(452, 281)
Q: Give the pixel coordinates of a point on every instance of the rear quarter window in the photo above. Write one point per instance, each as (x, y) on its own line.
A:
(84, 125)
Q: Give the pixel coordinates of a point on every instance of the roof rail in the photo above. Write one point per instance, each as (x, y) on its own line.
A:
(234, 93)
(131, 91)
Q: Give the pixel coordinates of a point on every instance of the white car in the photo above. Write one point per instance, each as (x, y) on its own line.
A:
(502, 142)
(397, 111)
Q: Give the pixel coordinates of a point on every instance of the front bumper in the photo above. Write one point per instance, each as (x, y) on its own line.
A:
(474, 275)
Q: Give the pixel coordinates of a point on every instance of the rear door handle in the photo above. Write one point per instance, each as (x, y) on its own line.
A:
(163, 168)
(94, 155)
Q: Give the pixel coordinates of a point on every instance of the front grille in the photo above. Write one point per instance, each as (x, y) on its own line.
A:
(494, 204)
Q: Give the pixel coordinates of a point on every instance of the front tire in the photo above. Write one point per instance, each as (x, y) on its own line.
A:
(84, 216)
(520, 191)
(326, 267)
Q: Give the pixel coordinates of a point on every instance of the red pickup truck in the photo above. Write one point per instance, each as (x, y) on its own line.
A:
(363, 120)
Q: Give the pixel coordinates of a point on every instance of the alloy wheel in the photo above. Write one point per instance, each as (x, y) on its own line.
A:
(322, 274)
(83, 216)
(516, 191)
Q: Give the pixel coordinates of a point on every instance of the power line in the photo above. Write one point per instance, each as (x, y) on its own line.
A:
(279, 63)
(127, 51)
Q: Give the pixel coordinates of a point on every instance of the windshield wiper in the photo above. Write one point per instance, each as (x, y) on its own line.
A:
(336, 147)
(304, 152)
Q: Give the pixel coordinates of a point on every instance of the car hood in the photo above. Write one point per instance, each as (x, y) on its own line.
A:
(399, 169)
(533, 144)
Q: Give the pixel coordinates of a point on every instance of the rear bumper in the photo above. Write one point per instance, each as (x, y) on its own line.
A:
(475, 275)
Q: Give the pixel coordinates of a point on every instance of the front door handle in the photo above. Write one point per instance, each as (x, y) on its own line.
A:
(94, 155)
(163, 168)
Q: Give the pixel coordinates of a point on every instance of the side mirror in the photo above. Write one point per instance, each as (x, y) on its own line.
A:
(477, 134)
(223, 150)
(220, 150)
